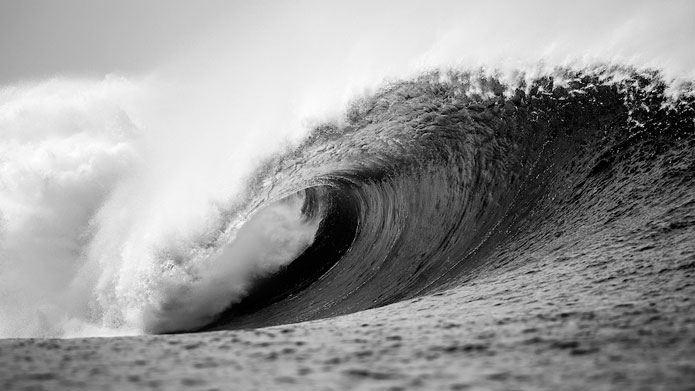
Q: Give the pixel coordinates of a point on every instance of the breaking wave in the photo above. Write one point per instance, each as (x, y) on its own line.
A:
(103, 231)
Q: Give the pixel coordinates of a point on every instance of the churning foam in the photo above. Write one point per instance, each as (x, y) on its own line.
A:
(106, 217)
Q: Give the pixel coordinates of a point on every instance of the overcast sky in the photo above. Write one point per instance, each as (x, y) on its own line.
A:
(95, 37)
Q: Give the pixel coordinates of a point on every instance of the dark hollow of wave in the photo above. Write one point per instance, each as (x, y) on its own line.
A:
(426, 177)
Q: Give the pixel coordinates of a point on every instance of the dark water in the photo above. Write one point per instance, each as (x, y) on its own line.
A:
(427, 177)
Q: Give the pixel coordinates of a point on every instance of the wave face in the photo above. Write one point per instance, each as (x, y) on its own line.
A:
(429, 178)
(415, 191)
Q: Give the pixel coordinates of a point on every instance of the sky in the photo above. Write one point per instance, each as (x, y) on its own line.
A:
(44, 38)
(48, 38)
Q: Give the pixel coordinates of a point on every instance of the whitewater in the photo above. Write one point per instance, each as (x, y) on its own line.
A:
(96, 234)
